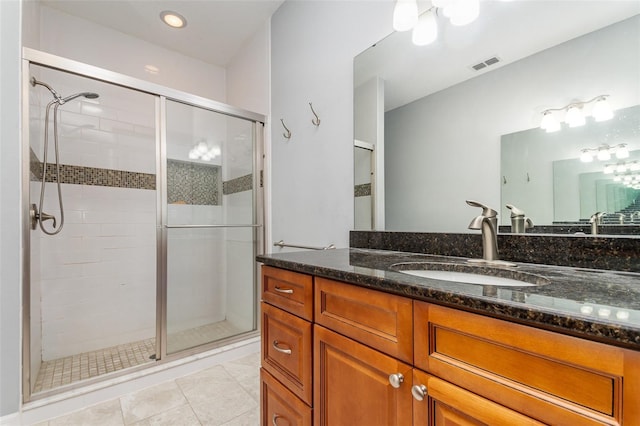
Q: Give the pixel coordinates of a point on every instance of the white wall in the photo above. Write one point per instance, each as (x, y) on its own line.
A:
(313, 44)
(458, 130)
(248, 74)
(75, 38)
(10, 208)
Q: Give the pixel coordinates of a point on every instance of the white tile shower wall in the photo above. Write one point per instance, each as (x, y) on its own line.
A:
(116, 131)
(99, 273)
(195, 270)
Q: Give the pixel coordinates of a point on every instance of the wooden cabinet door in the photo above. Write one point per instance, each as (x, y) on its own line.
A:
(352, 385)
(279, 406)
(439, 403)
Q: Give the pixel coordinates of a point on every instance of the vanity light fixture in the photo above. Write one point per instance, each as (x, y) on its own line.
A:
(575, 116)
(603, 153)
(425, 27)
(173, 19)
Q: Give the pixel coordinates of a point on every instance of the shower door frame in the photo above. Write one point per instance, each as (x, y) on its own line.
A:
(161, 94)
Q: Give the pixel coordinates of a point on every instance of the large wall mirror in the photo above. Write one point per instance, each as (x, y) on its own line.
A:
(460, 118)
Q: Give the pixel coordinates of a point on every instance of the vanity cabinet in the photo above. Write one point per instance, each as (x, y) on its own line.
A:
(384, 359)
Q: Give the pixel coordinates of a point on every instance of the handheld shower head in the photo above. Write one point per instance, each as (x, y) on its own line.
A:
(88, 95)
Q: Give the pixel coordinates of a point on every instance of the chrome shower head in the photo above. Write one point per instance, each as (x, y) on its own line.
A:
(88, 95)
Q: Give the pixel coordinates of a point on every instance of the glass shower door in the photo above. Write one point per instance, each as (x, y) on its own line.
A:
(210, 226)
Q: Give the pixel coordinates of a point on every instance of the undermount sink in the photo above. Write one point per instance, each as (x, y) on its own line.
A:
(470, 274)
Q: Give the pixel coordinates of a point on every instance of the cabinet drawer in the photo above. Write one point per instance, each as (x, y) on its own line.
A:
(286, 350)
(555, 378)
(380, 320)
(288, 290)
(279, 406)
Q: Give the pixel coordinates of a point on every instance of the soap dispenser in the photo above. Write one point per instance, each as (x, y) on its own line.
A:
(519, 223)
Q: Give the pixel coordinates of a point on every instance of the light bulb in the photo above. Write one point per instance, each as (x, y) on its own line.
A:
(604, 154)
(193, 155)
(201, 148)
(549, 122)
(602, 110)
(622, 151)
(574, 117)
(464, 12)
(634, 167)
(609, 169)
(216, 151)
(405, 15)
(586, 156)
(621, 168)
(426, 30)
(617, 178)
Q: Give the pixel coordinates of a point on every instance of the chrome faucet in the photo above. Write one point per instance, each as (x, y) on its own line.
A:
(487, 222)
(519, 223)
(595, 221)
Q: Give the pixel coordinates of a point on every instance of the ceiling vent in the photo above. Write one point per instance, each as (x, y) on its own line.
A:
(485, 63)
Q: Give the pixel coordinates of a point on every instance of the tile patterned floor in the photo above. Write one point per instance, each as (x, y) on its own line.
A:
(224, 395)
(71, 369)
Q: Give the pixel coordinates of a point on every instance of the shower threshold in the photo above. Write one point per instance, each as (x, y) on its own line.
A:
(88, 365)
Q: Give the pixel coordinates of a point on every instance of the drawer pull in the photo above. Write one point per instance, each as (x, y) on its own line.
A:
(274, 419)
(396, 380)
(284, 351)
(284, 290)
(419, 392)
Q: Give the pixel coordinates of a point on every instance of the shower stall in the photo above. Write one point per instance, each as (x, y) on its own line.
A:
(145, 206)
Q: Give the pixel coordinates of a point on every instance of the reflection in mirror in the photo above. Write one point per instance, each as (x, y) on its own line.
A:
(545, 174)
(436, 123)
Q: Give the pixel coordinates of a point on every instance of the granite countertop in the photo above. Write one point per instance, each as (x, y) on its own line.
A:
(595, 304)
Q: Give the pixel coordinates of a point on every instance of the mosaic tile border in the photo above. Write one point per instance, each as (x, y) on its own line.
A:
(362, 190)
(204, 176)
(82, 175)
(240, 184)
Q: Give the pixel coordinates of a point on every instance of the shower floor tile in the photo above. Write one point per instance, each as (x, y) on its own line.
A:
(74, 368)
(71, 369)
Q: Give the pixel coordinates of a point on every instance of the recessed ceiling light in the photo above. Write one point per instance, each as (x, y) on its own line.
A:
(173, 19)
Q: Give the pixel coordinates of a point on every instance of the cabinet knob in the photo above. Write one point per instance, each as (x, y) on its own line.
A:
(284, 290)
(396, 380)
(274, 419)
(276, 344)
(419, 392)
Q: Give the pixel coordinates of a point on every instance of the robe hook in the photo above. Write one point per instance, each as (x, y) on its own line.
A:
(288, 132)
(315, 121)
